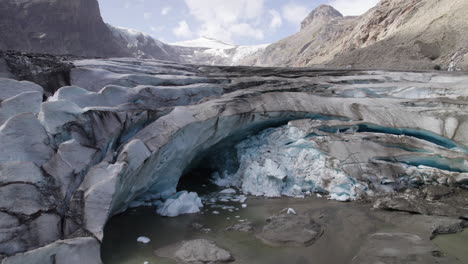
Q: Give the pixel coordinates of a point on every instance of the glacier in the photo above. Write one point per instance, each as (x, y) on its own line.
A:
(280, 162)
(124, 132)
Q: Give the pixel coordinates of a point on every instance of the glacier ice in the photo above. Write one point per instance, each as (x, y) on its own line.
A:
(280, 162)
(181, 203)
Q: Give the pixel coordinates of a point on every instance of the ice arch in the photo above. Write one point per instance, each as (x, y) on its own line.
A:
(155, 157)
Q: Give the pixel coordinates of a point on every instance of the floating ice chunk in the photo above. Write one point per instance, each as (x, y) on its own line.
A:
(291, 211)
(143, 240)
(181, 203)
(215, 212)
(319, 195)
(344, 197)
(242, 198)
(244, 206)
(228, 191)
(146, 262)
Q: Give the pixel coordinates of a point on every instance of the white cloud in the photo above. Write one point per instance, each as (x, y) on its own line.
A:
(353, 7)
(147, 15)
(276, 20)
(225, 20)
(166, 10)
(182, 30)
(295, 13)
(158, 28)
(245, 30)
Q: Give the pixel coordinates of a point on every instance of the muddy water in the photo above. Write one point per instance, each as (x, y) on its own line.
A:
(346, 226)
(455, 245)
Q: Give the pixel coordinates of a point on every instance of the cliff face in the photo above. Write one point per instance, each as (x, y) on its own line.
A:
(396, 34)
(56, 27)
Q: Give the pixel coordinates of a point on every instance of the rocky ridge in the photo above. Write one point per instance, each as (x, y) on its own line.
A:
(396, 34)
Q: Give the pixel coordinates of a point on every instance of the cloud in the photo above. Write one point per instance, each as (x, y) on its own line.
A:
(245, 30)
(182, 30)
(166, 10)
(147, 15)
(276, 20)
(226, 20)
(295, 13)
(158, 28)
(353, 7)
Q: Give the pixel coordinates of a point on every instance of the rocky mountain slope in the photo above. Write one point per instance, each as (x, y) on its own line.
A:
(73, 28)
(56, 27)
(76, 28)
(396, 34)
(129, 128)
(141, 45)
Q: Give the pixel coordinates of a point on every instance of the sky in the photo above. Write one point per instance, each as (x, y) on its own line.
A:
(241, 22)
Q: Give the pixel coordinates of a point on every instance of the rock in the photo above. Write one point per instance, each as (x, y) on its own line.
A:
(181, 203)
(196, 251)
(290, 230)
(245, 226)
(436, 192)
(71, 251)
(399, 248)
(48, 71)
(413, 201)
(323, 12)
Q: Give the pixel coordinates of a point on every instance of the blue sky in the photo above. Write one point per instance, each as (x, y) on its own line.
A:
(243, 22)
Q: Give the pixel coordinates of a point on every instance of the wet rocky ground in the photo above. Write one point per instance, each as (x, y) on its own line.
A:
(317, 230)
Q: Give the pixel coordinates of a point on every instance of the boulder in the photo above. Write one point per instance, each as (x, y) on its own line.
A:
(400, 248)
(196, 251)
(290, 230)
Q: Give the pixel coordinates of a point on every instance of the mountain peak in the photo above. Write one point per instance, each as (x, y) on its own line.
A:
(321, 12)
